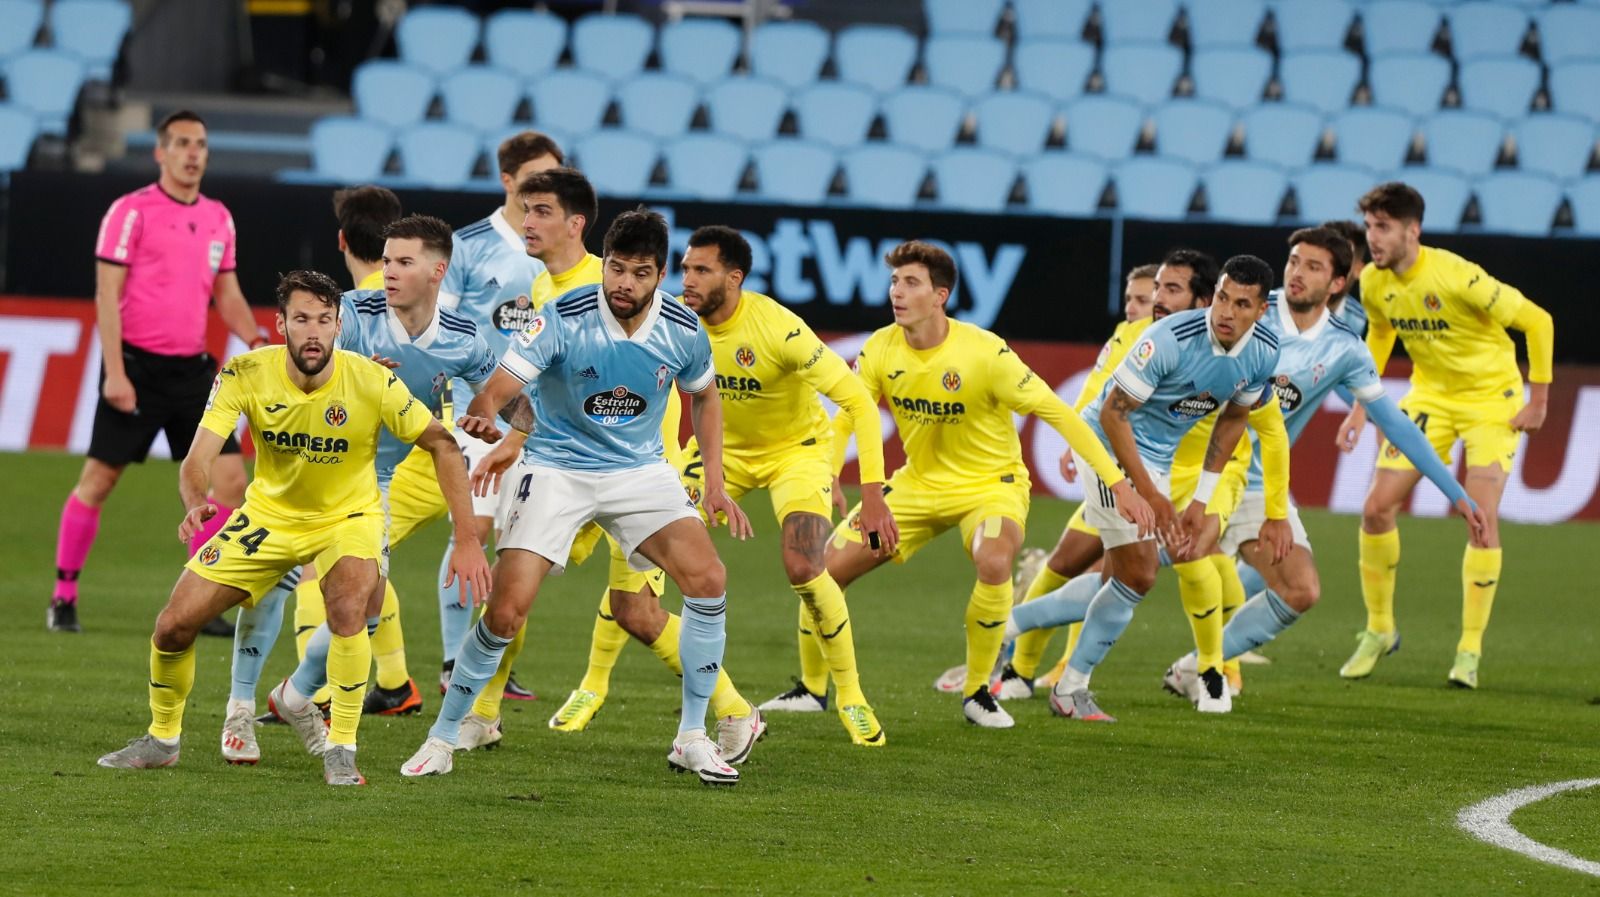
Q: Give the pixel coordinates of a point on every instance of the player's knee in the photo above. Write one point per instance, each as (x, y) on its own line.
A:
(705, 579)
(96, 482)
(172, 633)
(1378, 515)
(803, 566)
(994, 567)
(1139, 579)
(502, 619)
(1301, 597)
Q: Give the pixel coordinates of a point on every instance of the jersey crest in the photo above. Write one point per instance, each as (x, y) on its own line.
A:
(745, 357)
(951, 380)
(336, 414)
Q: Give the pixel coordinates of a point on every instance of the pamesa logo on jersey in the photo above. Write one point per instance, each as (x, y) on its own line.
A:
(614, 407)
(514, 316)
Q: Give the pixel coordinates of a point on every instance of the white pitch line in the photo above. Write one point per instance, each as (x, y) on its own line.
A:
(1490, 821)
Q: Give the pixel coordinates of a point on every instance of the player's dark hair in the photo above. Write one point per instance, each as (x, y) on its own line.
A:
(1327, 238)
(1144, 272)
(434, 234)
(732, 248)
(1202, 271)
(173, 118)
(1398, 200)
(520, 149)
(1247, 270)
(1355, 233)
(641, 233)
(314, 282)
(570, 188)
(941, 267)
(363, 213)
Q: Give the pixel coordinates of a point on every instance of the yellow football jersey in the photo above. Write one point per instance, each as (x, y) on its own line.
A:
(373, 281)
(1111, 354)
(315, 451)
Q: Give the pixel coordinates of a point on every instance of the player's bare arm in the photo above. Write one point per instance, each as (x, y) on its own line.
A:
(467, 562)
(498, 392)
(235, 311)
(194, 482)
(1119, 432)
(108, 282)
(705, 410)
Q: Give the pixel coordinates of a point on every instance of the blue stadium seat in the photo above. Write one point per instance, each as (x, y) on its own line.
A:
(974, 180)
(658, 104)
(1459, 140)
(438, 38)
(91, 29)
(1557, 145)
(1311, 24)
(835, 113)
(1284, 134)
(750, 108)
(1237, 76)
(884, 175)
(618, 163)
(1486, 29)
(1444, 194)
(1015, 122)
(878, 56)
(1244, 192)
(1127, 21)
(706, 166)
(962, 16)
(1103, 126)
(1058, 68)
(1321, 78)
(1568, 33)
(17, 133)
(22, 18)
(702, 50)
(1518, 203)
(524, 41)
(1399, 26)
(790, 53)
(1585, 198)
(926, 118)
(1145, 72)
(438, 155)
(481, 97)
(796, 172)
(1325, 192)
(1155, 188)
(1194, 130)
(1225, 23)
(570, 100)
(1414, 82)
(612, 45)
(1050, 19)
(1065, 183)
(393, 93)
(967, 64)
(45, 82)
(350, 150)
(1499, 85)
(1575, 89)
(1372, 137)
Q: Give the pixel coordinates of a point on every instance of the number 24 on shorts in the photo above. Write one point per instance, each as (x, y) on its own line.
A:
(251, 541)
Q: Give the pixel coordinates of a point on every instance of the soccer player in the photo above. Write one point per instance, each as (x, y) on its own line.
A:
(1347, 304)
(596, 454)
(1452, 317)
(315, 412)
(164, 254)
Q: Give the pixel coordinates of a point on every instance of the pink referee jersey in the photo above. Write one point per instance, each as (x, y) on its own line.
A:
(173, 252)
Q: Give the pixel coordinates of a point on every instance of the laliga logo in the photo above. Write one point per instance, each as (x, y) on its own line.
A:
(210, 554)
(951, 380)
(744, 356)
(335, 415)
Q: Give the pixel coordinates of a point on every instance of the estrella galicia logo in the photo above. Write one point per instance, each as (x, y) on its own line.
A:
(513, 316)
(336, 415)
(614, 407)
(1289, 395)
(1193, 407)
(210, 554)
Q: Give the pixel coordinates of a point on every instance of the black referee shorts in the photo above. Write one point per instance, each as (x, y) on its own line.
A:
(170, 393)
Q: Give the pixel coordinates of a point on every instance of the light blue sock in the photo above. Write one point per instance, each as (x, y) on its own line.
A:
(700, 644)
(1067, 604)
(1162, 557)
(255, 634)
(1251, 578)
(312, 673)
(1259, 621)
(1109, 615)
(475, 664)
(453, 618)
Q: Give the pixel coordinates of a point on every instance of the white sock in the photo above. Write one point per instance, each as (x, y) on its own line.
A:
(1071, 681)
(249, 706)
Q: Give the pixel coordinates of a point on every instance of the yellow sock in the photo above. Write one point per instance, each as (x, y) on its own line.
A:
(604, 647)
(725, 699)
(171, 678)
(1073, 631)
(1380, 556)
(1031, 645)
(830, 619)
(309, 613)
(488, 703)
(986, 629)
(389, 642)
(1233, 598)
(1201, 590)
(1480, 576)
(349, 658)
(813, 665)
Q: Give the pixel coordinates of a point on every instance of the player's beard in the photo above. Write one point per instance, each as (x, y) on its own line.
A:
(309, 368)
(1307, 304)
(625, 315)
(712, 302)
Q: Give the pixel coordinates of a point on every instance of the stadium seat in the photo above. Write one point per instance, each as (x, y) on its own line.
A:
(1585, 198)
(1444, 195)
(17, 133)
(1065, 183)
(1284, 134)
(1131, 21)
(619, 163)
(1325, 192)
(45, 82)
(1214, 24)
(1322, 78)
(1057, 68)
(878, 56)
(790, 53)
(879, 174)
(22, 18)
(962, 16)
(438, 155)
(393, 93)
(658, 104)
(91, 29)
(750, 108)
(795, 172)
(1414, 82)
(570, 100)
(1015, 122)
(835, 113)
(706, 166)
(1311, 24)
(1194, 130)
(702, 50)
(1104, 126)
(1372, 137)
(1518, 203)
(612, 45)
(1575, 89)
(1556, 145)
(1155, 188)
(350, 150)
(1050, 19)
(1237, 76)
(1486, 29)
(966, 64)
(1145, 72)
(481, 97)
(1499, 85)
(1399, 26)
(1463, 141)
(974, 180)
(438, 38)
(926, 118)
(1568, 33)
(1243, 192)
(524, 41)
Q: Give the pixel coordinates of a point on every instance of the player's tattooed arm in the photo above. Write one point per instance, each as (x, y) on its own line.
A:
(1151, 509)
(518, 413)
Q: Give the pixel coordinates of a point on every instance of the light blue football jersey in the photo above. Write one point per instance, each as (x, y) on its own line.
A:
(1353, 315)
(488, 282)
(601, 393)
(450, 349)
(1180, 374)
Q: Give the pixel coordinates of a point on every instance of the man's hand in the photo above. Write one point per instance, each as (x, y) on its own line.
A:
(877, 521)
(468, 564)
(717, 501)
(1528, 420)
(1191, 523)
(385, 360)
(118, 390)
(1136, 510)
(839, 502)
(1350, 429)
(1069, 467)
(1278, 538)
(491, 470)
(480, 428)
(195, 520)
(1477, 521)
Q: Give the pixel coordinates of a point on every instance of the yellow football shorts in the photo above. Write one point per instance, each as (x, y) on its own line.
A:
(254, 550)
(619, 576)
(798, 480)
(923, 512)
(1079, 525)
(1485, 426)
(1224, 499)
